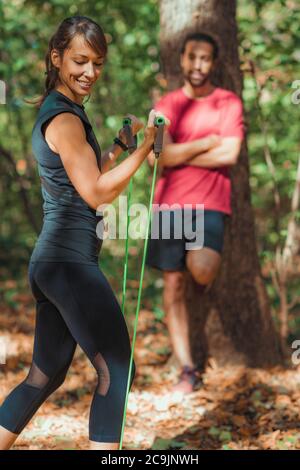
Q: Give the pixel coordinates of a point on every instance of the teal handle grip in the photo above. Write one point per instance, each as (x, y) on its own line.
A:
(127, 121)
(159, 121)
(131, 140)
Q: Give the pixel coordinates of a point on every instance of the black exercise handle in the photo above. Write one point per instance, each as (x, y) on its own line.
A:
(158, 142)
(131, 139)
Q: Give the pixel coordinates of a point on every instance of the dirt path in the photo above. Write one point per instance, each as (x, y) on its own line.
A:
(237, 408)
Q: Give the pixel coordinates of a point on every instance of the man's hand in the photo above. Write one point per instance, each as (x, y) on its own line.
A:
(211, 141)
(224, 154)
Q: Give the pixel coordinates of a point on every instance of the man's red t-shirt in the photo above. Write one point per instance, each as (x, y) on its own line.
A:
(219, 113)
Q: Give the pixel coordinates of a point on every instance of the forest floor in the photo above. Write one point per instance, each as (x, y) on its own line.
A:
(236, 408)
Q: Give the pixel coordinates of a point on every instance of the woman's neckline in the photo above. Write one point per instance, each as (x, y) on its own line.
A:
(69, 99)
(199, 98)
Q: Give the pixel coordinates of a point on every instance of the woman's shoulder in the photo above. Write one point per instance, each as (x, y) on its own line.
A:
(56, 99)
(56, 103)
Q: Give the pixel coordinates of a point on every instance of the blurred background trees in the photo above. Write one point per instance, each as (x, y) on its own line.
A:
(268, 38)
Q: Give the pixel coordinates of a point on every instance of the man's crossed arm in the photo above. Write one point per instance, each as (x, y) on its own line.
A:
(209, 152)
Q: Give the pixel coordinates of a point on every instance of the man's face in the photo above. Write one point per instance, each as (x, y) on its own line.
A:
(197, 62)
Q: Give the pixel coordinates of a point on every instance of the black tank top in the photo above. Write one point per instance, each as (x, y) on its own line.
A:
(69, 224)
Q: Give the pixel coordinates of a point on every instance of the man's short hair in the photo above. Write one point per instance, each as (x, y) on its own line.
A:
(203, 37)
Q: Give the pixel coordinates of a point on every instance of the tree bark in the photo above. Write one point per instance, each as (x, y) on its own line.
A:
(232, 321)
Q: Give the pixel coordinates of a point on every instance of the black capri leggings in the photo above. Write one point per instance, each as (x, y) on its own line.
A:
(74, 304)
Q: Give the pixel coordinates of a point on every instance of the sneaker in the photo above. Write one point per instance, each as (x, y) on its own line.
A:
(189, 379)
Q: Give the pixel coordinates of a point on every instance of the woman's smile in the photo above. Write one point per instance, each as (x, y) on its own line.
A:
(85, 85)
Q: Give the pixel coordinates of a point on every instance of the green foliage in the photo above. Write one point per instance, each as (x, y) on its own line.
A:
(164, 444)
(129, 75)
(269, 24)
(268, 36)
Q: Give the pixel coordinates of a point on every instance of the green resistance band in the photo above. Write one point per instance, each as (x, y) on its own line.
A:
(131, 143)
(157, 147)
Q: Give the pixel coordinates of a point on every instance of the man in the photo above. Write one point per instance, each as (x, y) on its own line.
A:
(201, 143)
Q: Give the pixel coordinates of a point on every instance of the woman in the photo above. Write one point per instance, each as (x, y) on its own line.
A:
(74, 301)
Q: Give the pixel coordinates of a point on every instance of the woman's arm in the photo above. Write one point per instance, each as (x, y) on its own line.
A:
(67, 133)
(109, 156)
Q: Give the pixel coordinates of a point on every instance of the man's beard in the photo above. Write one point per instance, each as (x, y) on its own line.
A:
(196, 83)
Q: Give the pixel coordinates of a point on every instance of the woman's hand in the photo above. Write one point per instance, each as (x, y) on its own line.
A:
(151, 130)
(136, 126)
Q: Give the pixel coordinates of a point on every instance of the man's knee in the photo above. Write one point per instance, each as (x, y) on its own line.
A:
(204, 271)
(203, 275)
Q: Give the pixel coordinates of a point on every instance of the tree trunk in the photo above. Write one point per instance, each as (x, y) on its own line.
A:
(232, 321)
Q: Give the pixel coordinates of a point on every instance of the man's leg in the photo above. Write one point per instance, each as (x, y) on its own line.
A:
(203, 265)
(176, 315)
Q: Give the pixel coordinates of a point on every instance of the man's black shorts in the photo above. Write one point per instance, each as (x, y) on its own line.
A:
(168, 250)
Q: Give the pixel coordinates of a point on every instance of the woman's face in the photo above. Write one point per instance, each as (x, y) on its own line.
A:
(79, 68)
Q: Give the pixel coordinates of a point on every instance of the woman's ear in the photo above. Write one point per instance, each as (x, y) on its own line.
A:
(55, 58)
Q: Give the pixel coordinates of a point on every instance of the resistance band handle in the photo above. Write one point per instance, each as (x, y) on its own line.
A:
(130, 138)
(159, 122)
